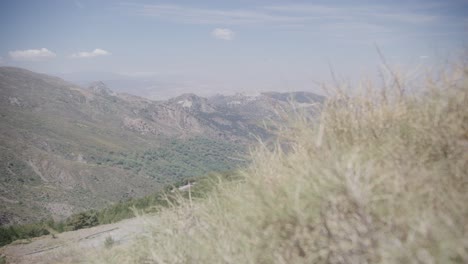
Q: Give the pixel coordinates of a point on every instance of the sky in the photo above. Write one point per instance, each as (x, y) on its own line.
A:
(217, 46)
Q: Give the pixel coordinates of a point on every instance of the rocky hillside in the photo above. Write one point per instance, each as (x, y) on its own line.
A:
(65, 148)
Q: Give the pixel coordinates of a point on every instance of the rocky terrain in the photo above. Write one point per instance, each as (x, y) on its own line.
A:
(66, 148)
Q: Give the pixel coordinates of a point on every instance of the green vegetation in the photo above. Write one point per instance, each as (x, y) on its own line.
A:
(82, 220)
(171, 162)
(380, 177)
(12, 233)
(179, 159)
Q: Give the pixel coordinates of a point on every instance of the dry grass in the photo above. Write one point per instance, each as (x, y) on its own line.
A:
(380, 178)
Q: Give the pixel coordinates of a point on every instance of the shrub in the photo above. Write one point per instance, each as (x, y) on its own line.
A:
(82, 220)
(9, 234)
(109, 242)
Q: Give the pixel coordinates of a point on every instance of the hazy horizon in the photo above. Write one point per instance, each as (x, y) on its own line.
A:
(163, 48)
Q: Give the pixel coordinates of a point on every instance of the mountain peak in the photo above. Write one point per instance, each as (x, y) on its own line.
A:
(189, 100)
(101, 88)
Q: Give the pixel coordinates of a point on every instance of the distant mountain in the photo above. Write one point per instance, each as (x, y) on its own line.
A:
(299, 97)
(65, 148)
(148, 85)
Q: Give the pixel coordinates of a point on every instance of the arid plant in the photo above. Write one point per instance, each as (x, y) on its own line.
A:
(379, 177)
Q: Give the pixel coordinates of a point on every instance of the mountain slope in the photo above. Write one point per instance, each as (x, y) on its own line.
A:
(65, 148)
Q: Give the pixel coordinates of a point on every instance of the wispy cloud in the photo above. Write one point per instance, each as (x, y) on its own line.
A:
(184, 14)
(32, 54)
(356, 27)
(223, 33)
(281, 14)
(324, 20)
(90, 54)
(370, 13)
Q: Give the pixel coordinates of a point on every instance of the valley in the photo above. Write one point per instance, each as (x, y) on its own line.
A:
(66, 148)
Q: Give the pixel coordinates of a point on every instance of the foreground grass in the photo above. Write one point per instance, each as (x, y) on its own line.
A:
(381, 178)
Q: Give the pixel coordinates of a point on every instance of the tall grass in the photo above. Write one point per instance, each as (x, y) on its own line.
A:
(379, 177)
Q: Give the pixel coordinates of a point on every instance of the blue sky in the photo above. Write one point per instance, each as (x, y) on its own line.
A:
(239, 45)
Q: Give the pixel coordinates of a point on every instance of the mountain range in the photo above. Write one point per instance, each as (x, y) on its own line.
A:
(65, 148)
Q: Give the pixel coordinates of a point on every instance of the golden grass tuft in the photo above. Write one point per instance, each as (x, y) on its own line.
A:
(379, 177)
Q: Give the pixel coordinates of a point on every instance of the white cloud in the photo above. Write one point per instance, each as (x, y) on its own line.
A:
(92, 54)
(32, 54)
(223, 33)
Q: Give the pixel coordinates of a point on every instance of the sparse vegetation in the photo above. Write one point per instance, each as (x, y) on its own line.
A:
(163, 199)
(116, 212)
(380, 177)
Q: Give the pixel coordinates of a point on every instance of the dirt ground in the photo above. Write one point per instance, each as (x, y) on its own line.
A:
(47, 249)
